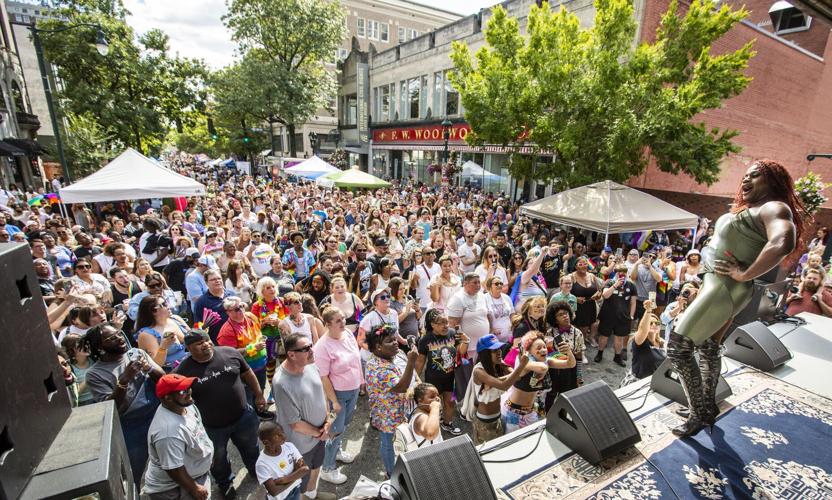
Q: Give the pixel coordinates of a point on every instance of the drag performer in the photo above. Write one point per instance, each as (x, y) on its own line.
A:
(763, 227)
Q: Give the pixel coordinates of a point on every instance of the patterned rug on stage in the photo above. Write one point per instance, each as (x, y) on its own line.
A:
(773, 440)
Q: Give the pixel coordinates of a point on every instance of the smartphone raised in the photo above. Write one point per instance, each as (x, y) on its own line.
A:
(619, 252)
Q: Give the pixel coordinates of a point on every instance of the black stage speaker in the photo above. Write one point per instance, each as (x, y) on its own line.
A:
(665, 381)
(592, 421)
(764, 303)
(88, 458)
(755, 345)
(34, 403)
(450, 470)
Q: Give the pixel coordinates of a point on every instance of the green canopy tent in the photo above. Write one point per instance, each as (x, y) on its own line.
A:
(352, 178)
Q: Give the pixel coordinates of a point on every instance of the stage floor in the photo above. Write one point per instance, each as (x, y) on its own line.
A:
(798, 391)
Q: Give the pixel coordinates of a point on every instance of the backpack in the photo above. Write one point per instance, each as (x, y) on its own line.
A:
(404, 439)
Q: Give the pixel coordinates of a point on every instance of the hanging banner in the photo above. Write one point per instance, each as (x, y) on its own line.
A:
(362, 80)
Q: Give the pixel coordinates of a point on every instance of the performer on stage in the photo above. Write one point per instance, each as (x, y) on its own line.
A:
(763, 227)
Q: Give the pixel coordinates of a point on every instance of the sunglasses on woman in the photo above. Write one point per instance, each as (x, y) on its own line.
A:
(83, 266)
(302, 349)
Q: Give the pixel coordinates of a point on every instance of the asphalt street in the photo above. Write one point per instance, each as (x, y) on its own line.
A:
(362, 440)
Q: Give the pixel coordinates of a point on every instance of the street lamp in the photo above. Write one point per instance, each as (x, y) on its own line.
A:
(446, 134)
(812, 156)
(313, 141)
(103, 49)
(335, 134)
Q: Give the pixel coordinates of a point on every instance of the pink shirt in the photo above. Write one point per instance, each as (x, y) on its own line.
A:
(340, 360)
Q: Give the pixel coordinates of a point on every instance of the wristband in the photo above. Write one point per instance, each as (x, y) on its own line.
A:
(120, 385)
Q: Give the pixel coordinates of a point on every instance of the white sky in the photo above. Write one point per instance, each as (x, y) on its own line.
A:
(195, 28)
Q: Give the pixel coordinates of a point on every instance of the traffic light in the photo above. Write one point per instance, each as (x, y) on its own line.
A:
(212, 130)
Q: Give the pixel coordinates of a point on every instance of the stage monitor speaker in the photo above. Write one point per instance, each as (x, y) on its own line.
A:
(755, 345)
(449, 470)
(88, 459)
(665, 381)
(764, 303)
(34, 402)
(592, 421)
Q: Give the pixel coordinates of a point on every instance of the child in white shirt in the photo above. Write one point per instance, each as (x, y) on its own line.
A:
(280, 465)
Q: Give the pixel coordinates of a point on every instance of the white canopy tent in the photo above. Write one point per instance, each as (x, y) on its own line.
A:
(471, 169)
(131, 176)
(610, 208)
(312, 168)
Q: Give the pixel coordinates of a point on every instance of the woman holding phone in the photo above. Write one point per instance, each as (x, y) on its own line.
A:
(490, 266)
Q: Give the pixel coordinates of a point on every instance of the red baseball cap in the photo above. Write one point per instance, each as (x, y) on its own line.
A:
(172, 382)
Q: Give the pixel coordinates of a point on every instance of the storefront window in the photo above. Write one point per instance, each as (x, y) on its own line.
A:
(403, 101)
(392, 106)
(437, 94)
(423, 97)
(384, 103)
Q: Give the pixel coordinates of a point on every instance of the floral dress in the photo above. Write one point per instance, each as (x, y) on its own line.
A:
(387, 408)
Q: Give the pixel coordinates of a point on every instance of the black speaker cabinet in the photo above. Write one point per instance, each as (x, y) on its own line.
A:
(450, 470)
(665, 381)
(764, 302)
(755, 345)
(592, 421)
(34, 403)
(88, 457)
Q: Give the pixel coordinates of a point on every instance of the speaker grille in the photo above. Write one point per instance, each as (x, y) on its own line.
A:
(606, 421)
(449, 470)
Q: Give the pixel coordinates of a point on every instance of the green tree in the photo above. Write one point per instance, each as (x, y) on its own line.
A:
(135, 93)
(603, 104)
(286, 44)
(88, 145)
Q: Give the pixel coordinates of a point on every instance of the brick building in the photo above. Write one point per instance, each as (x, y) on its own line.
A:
(784, 114)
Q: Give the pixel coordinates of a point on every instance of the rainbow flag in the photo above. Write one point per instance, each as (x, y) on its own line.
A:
(53, 198)
(37, 200)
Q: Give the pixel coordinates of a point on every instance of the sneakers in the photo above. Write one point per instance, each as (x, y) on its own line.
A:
(599, 357)
(344, 457)
(333, 476)
(620, 362)
(265, 414)
(585, 360)
(450, 428)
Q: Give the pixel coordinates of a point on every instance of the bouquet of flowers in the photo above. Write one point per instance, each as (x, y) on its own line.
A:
(810, 190)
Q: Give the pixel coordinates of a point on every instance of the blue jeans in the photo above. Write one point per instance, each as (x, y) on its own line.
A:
(388, 456)
(347, 400)
(135, 438)
(243, 433)
(294, 494)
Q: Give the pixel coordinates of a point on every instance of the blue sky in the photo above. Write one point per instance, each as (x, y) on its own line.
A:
(195, 28)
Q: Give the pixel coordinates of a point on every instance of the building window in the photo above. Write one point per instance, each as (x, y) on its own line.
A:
(451, 97)
(342, 53)
(786, 18)
(437, 94)
(423, 97)
(411, 34)
(372, 29)
(403, 112)
(402, 36)
(384, 103)
(350, 110)
(413, 91)
(359, 29)
(391, 102)
(385, 32)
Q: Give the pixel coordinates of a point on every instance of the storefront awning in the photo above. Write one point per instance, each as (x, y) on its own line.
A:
(7, 149)
(463, 148)
(28, 145)
(359, 150)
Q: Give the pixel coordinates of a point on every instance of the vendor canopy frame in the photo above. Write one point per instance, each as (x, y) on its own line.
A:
(610, 208)
(131, 176)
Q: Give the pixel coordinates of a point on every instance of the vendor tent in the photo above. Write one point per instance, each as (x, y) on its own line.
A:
(352, 178)
(471, 169)
(131, 176)
(312, 168)
(609, 207)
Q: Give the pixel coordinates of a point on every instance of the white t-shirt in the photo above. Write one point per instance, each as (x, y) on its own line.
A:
(261, 259)
(500, 310)
(473, 314)
(269, 467)
(482, 272)
(374, 319)
(466, 252)
(425, 273)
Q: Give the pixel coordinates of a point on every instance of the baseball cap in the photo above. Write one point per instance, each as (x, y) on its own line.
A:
(608, 249)
(172, 382)
(377, 293)
(191, 252)
(381, 242)
(207, 260)
(196, 335)
(489, 342)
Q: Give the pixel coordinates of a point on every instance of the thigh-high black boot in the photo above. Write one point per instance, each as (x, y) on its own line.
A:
(680, 351)
(710, 364)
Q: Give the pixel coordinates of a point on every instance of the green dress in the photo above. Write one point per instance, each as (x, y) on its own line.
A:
(721, 297)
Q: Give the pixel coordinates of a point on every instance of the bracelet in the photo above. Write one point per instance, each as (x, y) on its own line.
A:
(162, 348)
(120, 386)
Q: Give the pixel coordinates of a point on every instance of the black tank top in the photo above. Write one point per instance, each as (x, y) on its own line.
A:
(531, 382)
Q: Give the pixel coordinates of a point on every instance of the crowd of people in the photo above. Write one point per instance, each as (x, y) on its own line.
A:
(262, 312)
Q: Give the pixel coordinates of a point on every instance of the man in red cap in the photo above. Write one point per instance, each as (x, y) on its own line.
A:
(180, 450)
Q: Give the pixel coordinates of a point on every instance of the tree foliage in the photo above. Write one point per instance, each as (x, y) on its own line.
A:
(135, 93)
(604, 105)
(88, 144)
(282, 76)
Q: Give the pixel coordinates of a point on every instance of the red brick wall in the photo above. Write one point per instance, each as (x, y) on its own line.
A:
(785, 113)
(813, 39)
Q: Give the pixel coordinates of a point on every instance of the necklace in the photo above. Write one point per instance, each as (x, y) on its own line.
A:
(298, 322)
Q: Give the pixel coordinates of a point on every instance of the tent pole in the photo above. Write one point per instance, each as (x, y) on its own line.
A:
(606, 238)
(693, 239)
